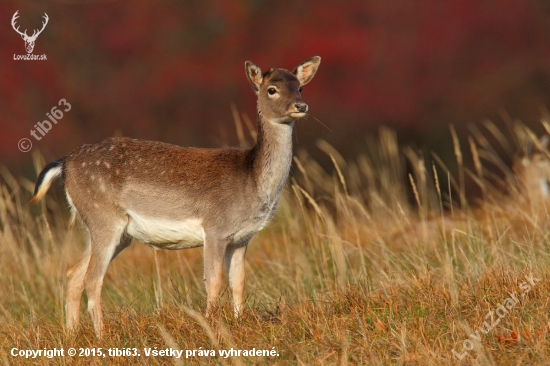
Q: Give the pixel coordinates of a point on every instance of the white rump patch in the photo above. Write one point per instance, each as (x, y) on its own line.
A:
(72, 208)
(70, 201)
(164, 233)
(544, 188)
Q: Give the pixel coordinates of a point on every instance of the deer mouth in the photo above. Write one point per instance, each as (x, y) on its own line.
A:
(298, 114)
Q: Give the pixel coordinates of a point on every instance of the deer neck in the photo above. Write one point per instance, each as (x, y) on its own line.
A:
(272, 158)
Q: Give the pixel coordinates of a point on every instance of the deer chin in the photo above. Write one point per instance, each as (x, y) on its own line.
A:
(297, 114)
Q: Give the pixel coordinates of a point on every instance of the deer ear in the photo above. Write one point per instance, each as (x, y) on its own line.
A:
(307, 69)
(254, 75)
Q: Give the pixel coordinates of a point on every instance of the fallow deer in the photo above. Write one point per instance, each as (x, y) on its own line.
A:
(173, 197)
(532, 169)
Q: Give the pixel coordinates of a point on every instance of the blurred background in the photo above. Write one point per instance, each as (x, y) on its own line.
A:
(172, 70)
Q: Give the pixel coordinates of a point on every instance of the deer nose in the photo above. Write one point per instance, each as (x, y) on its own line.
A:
(301, 107)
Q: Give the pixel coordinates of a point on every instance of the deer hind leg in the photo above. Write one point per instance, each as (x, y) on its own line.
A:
(75, 287)
(214, 249)
(104, 247)
(234, 263)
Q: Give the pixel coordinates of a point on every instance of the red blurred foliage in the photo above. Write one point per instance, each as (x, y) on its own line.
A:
(171, 70)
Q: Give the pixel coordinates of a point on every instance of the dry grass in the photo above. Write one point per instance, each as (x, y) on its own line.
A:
(351, 271)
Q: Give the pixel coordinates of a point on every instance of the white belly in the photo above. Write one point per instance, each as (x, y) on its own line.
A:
(164, 233)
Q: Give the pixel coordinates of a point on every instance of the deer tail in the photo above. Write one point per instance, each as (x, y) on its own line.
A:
(46, 177)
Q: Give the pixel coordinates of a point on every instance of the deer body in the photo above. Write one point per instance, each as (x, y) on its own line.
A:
(167, 202)
(171, 197)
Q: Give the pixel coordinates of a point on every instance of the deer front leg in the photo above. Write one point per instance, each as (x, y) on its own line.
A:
(234, 263)
(214, 250)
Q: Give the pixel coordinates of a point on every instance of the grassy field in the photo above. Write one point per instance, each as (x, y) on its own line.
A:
(353, 270)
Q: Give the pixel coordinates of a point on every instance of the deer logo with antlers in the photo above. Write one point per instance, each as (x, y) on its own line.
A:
(29, 41)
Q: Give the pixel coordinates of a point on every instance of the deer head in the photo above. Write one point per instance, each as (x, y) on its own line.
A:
(279, 90)
(29, 40)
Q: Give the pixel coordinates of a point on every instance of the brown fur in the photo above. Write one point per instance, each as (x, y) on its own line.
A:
(118, 162)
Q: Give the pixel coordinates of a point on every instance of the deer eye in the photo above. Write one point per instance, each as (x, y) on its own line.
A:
(272, 91)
